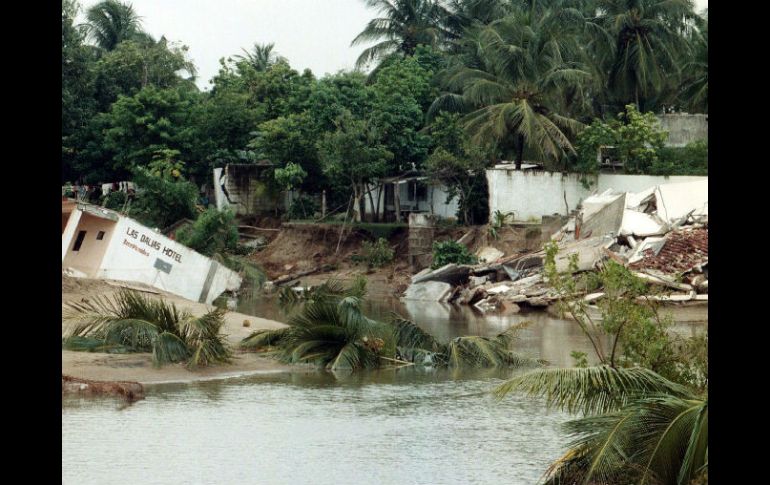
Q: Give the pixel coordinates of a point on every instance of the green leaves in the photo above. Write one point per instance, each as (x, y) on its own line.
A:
(590, 390)
(451, 252)
(143, 324)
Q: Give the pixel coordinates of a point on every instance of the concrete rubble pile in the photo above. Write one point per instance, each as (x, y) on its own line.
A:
(661, 234)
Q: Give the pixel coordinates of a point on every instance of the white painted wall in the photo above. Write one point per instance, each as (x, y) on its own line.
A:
(436, 193)
(134, 249)
(68, 235)
(536, 193)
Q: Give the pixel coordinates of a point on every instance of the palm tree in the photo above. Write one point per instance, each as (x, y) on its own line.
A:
(110, 22)
(647, 36)
(464, 14)
(143, 324)
(402, 26)
(696, 71)
(261, 56)
(330, 330)
(513, 79)
(638, 427)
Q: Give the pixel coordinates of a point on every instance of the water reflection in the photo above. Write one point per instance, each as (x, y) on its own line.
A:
(393, 426)
(545, 337)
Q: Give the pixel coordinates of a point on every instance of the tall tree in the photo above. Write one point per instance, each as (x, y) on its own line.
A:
(353, 154)
(642, 65)
(402, 26)
(513, 88)
(261, 56)
(111, 22)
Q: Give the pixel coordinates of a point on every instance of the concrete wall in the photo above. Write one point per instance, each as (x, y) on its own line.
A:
(88, 258)
(239, 188)
(136, 251)
(684, 128)
(531, 194)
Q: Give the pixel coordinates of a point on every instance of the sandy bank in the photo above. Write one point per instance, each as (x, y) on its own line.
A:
(138, 367)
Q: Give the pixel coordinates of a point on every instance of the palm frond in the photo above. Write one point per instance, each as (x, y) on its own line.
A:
(590, 390)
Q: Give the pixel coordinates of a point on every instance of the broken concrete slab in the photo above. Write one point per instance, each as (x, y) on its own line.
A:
(496, 290)
(489, 254)
(589, 252)
(516, 298)
(663, 281)
(449, 273)
(640, 224)
(591, 297)
(474, 281)
(421, 273)
(602, 214)
(428, 291)
(678, 199)
(537, 302)
(651, 245)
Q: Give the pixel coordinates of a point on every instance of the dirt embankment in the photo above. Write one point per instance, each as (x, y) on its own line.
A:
(304, 247)
(138, 367)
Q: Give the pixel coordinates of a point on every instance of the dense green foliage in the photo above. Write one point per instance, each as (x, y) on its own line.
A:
(637, 141)
(451, 252)
(212, 232)
(160, 202)
(520, 80)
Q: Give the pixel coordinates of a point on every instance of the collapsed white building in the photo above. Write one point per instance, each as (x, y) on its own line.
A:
(104, 244)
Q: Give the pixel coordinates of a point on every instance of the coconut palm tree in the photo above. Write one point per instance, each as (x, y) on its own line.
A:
(261, 56)
(145, 324)
(401, 27)
(512, 81)
(110, 22)
(637, 427)
(641, 65)
(696, 70)
(330, 330)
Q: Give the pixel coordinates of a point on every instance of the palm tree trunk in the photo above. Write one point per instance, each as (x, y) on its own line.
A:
(519, 151)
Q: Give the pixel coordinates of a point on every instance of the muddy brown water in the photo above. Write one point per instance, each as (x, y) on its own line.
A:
(397, 426)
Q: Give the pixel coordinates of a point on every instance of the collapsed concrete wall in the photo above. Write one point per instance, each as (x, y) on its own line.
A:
(532, 194)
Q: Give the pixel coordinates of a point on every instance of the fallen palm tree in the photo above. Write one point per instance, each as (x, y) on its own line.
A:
(139, 323)
(330, 330)
(129, 390)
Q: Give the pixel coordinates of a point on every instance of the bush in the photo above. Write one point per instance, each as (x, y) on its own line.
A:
(302, 207)
(213, 232)
(115, 200)
(376, 254)
(692, 159)
(161, 202)
(451, 252)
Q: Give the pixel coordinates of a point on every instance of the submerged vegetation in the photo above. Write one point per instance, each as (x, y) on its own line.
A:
(328, 328)
(139, 323)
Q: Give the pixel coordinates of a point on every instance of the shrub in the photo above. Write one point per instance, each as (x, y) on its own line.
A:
(213, 232)
(302, 207)
(161, 202)
(451, 252)
(115, 200)
(376, 254)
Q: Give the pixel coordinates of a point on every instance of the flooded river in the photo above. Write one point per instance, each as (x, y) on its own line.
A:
(404, 426)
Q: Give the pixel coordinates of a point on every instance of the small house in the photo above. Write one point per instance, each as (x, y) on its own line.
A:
(394, 198)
